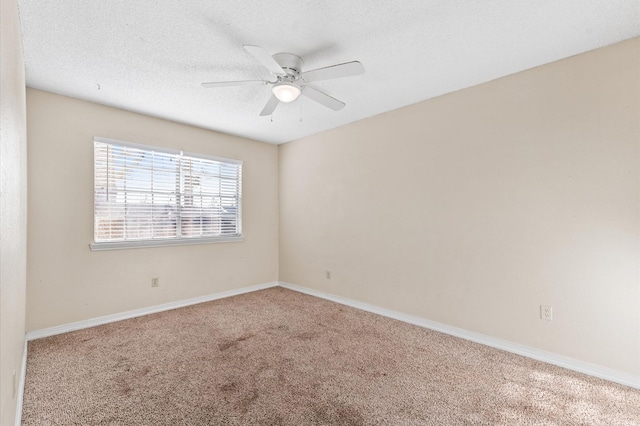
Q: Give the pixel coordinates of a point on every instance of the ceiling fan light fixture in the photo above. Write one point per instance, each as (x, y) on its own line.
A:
(286, 92)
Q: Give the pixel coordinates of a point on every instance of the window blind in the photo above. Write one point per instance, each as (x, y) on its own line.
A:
(145, 193)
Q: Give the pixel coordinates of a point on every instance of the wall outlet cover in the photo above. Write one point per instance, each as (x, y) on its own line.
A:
(546, 312)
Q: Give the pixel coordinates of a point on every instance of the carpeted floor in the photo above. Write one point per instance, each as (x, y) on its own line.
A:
(278, 357)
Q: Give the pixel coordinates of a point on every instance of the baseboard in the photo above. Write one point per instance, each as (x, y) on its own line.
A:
(537, 354)
(20, 394)
(65, 328)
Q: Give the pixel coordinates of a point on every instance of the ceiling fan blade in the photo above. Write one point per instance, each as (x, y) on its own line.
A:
(265, 59)
(335, 71)
(215, 84)
(270, 106)
(322, 98)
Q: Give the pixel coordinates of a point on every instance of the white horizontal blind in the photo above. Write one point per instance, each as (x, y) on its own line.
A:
(144, 193)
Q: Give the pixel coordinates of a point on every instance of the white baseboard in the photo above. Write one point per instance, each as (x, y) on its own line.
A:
(537, 354)
(23, 375)
(64, 328)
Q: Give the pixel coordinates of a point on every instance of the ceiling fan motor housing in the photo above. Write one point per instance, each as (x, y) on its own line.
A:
(290, 63)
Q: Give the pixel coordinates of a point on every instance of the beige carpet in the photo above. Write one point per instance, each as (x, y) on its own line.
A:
(277, 357)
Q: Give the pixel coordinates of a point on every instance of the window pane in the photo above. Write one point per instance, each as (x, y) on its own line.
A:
(143, 194)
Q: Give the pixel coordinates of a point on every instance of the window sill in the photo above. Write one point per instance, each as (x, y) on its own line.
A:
(162, 243)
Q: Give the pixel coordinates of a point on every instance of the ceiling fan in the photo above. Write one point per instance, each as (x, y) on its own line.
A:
(290, 81)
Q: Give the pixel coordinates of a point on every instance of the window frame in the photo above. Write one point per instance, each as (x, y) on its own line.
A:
(170, 241)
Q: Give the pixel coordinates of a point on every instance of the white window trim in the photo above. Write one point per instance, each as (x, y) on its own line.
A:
(164, 242)
(118, 245)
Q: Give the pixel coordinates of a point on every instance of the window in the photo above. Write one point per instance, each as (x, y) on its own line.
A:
(146, 196)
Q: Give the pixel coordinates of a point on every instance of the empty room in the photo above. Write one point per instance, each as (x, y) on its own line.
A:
(341, 212)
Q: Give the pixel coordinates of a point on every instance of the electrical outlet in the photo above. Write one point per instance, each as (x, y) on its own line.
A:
(328, 274)
(546, 312)
(15, 385)
(155, 282)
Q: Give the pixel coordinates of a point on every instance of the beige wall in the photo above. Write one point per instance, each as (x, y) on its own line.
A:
(66, 281)
(13, 208)
(474, 208)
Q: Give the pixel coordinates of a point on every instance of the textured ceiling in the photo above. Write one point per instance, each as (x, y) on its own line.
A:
(151, 56)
